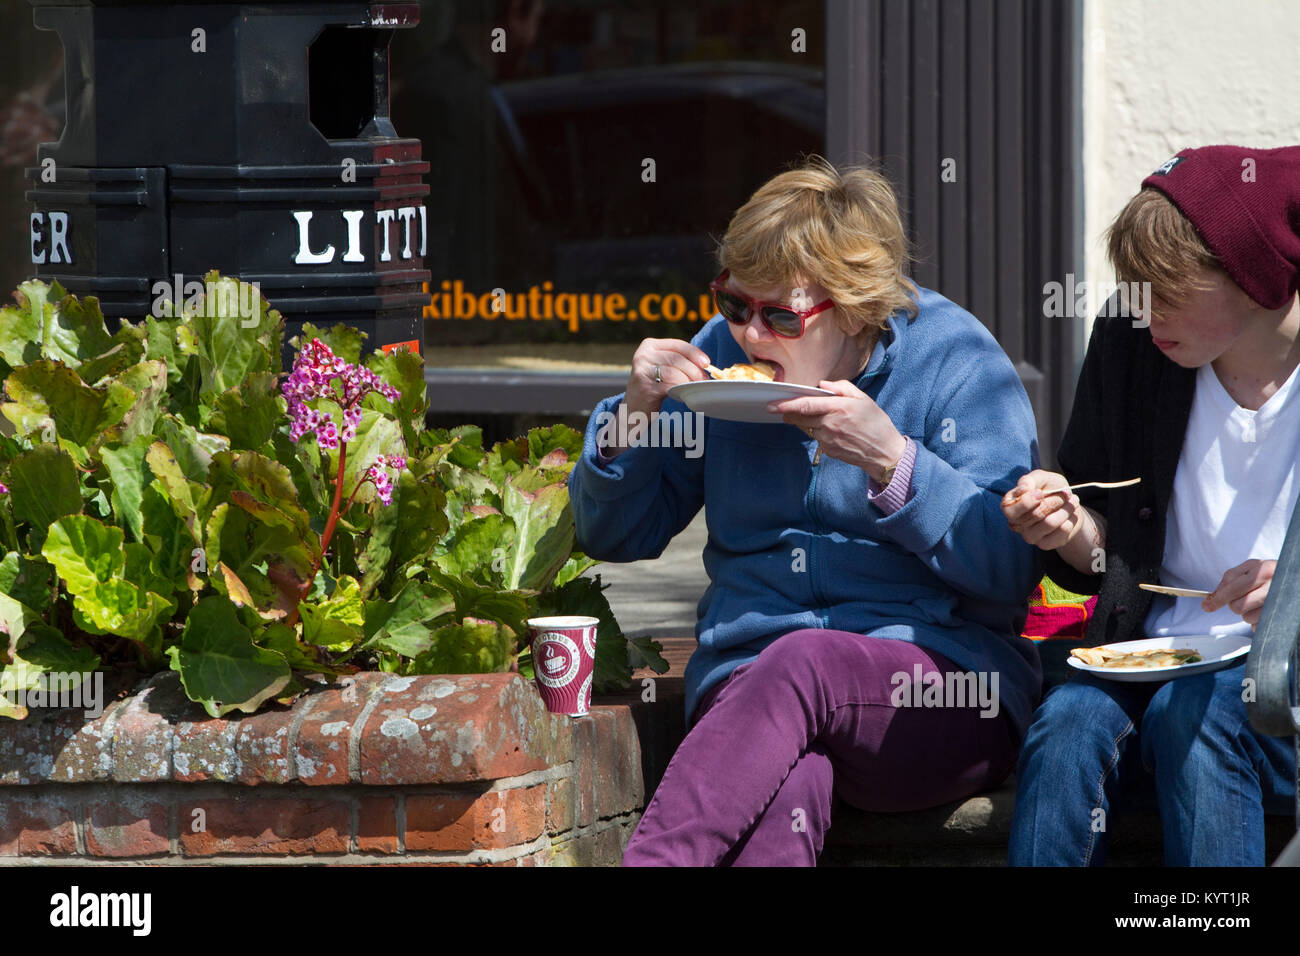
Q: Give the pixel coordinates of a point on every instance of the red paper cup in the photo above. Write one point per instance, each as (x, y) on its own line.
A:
(564, 659)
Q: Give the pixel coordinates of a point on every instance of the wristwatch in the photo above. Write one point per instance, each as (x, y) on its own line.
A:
(888, 475)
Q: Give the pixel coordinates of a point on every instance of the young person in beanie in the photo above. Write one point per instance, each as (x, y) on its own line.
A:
(1199, 399)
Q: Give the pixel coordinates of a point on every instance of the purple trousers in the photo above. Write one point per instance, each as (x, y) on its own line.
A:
(818, 715)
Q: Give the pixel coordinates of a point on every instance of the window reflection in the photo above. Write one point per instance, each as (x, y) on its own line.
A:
(597, 154)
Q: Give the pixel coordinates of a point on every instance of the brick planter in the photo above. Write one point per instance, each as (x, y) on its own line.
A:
(458, 770)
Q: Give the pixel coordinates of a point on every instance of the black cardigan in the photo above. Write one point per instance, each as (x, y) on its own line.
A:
(1131, 408)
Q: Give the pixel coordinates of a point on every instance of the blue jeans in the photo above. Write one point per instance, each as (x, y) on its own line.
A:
(1093, 739)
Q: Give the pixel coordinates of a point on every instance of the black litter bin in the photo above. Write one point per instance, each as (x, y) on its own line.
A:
(252, 138)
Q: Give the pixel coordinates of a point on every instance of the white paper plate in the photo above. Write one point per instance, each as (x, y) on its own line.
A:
(739, 401)
(1216, 653)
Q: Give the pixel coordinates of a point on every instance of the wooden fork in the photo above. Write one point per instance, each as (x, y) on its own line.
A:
(1085, 484)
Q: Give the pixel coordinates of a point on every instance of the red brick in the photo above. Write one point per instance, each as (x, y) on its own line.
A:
(609, 847)
(82, 749)
(560, 804)
(475, 821)
(584, 759)
(607, 743)
(24, 753)
(130, 826)
(266, 825)
(325, 734)
(38, 826)
(453, 729)
(204, 749)
(377, 825)
(142, 742)
(627, 759)
(262, 747)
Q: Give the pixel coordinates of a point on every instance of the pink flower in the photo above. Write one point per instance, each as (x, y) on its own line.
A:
(315, 370)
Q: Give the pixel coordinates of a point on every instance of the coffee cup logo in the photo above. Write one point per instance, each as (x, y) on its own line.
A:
(589, 641)
(556, 659)
(584, 695)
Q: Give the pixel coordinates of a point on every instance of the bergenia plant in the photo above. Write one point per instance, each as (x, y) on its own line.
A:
(318, 374)
(166, 503)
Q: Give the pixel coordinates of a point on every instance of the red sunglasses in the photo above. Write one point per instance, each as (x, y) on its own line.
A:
(780, 319)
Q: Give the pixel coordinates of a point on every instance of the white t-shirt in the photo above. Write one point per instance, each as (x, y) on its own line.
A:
(1234, 491)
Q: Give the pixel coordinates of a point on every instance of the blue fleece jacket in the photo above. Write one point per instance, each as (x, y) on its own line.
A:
(794, 544)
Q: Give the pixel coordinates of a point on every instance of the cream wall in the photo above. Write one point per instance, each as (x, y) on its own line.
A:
(1161, 75)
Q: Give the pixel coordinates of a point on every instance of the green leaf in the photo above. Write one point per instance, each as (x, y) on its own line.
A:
(543, 533)
(265, 478)
(43, 486)
(376, 435)
(187, 498)
(249, 413)
(90, 558)
(403, 625)
(15, 618)
(284, 640)
(544, 441)
(303, 461)
(489, 603)
(160, 345)
(167, 535)
(147, 382)
(127, 472)
(193, 449)
(337, 622)
(232, 346)
(43, 650)
(21, 326)
(480, 550)
(128, 349)
(471, 647)
(577, 565)
(220, 666)
(144, 570)
(27, 580)
(45, 391)
(377, 538)
(505, 460)
(345, 341)
(74, 330)
(119, 607)
(404, 370)
(85, 552)
(420, 515)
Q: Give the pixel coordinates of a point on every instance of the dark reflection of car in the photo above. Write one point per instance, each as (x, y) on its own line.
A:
(715, 131)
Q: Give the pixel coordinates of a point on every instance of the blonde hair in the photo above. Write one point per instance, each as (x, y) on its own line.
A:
(841, 230)
(1152, 241)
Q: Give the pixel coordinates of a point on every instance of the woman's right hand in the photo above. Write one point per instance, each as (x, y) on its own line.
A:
(678, 361)
(1047, 521)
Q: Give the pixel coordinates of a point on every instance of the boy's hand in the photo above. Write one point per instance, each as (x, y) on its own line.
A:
(1045, 521)
(1243, 589)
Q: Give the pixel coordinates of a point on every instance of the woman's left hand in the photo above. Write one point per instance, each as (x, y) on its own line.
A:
(849, 426)
(1243, 589)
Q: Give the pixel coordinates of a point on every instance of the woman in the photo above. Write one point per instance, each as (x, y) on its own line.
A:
(861, 574)
(1203, 406)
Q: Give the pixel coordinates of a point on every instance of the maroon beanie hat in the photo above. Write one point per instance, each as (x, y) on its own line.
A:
(1245, 203)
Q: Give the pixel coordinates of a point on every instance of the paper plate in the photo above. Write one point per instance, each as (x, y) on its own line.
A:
(1216, 653)
(739, 401)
